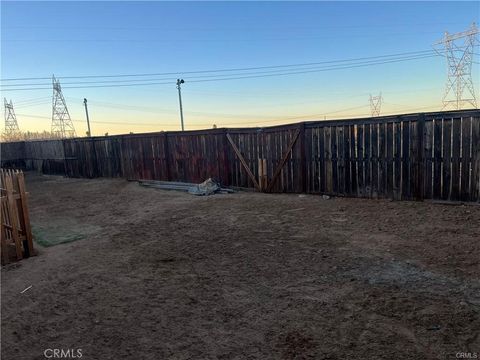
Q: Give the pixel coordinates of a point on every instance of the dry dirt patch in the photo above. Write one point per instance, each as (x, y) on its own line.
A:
(161, 274)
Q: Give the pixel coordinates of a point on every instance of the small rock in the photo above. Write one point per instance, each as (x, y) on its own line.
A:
(325, 197)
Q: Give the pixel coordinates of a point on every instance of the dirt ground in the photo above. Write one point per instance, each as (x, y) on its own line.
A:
(156, 274)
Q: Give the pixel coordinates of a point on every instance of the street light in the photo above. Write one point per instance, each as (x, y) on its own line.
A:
(179, 83)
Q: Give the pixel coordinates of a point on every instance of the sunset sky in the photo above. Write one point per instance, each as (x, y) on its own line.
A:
(71, 39)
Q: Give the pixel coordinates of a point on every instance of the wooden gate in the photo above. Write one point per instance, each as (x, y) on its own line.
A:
(269, 157)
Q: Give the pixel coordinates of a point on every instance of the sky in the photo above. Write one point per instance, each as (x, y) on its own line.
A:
(115, 38)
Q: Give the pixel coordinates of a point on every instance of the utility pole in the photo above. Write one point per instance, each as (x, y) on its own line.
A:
(458, 49)
(62, 125)
(375, 104)
(12, 131)
(179, 82)
(86, 112)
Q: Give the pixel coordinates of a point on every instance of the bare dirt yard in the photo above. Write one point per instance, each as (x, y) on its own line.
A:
(154, 274)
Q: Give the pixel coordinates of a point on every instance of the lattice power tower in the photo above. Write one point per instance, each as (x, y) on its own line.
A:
(12, 132)
(62, 125)
(458, 50)
(375, 104)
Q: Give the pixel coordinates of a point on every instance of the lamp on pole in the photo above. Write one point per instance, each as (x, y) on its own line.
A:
(88, 119)
(179, 83)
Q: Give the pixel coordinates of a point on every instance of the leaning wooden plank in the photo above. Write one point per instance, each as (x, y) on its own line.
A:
(244, 163)
(13, 216)
(283, 160)
(260, 173)
(3, 237)
(26, 217)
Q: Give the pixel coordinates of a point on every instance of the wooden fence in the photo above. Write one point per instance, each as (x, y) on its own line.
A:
(15, 233)
(410, 157)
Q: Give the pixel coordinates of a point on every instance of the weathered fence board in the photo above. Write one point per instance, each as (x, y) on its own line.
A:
(408, 157)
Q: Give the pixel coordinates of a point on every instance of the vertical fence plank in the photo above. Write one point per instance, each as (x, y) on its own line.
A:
(353, 161)
(437, 158)
(374, 160)
(455, 165)
(427, 158)
(466, 157)
(419, 157)
(315, 160)
(360, 162)
(446, 158)
(3, 234)
(347, 160)
(328, 160)
(405, 160)
(334, 157)
(368, 160)
(12, 210)
(322, 161)
(392, 173)
(382, 163)
(475, 178)
(25, 224)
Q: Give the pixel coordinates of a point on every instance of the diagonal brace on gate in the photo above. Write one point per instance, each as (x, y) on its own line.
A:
(244, 163)
(280, 165)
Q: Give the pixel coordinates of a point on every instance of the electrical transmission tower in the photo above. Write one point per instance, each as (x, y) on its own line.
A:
(458, 49)
(12, 132)
(376, 104)
(62, 125)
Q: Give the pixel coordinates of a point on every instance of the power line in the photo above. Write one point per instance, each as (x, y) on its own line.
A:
(420, 52)
(237, 77)
(33, 105)
(319, 70)
(301, 68)
(277, 119)
(172, 111)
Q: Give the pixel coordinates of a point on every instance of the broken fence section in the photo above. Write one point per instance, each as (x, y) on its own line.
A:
(15, 233)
